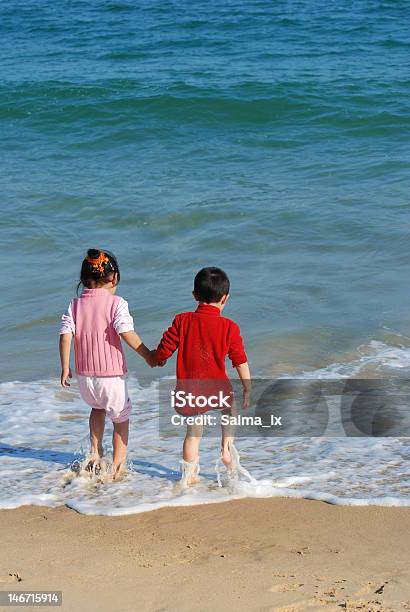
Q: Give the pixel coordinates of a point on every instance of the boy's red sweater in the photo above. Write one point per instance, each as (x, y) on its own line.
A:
(203, 339)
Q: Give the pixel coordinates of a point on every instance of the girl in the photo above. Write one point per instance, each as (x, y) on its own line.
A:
(98, 319)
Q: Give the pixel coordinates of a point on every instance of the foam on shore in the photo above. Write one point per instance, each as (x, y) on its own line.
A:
(44, 430)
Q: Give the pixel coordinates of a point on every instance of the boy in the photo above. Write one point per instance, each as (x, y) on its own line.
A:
(203, 339)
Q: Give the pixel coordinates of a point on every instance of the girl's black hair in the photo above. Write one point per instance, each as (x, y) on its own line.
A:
(97, 267)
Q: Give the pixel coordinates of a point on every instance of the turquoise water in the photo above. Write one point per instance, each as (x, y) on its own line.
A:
(270, 138)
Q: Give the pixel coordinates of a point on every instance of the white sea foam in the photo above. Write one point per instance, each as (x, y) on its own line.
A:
(44, 429)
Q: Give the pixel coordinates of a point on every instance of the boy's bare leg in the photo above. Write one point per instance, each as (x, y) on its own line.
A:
(97, 425)
(227, 438)
(119, 445)
(190, 449)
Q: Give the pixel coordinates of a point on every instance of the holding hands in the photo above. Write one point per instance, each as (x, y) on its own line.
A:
(134, 341)
(154, 363)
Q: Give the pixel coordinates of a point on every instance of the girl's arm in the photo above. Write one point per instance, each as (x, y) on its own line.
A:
(65, 348)
(134, 341)
(124, 326)
(245, 376)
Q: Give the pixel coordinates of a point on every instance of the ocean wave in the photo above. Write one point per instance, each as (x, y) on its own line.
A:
(129, 103)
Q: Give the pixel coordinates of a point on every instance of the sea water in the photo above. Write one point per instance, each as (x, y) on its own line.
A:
(269, 138)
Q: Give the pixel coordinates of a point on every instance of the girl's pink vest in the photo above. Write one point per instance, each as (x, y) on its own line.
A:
(98, 350)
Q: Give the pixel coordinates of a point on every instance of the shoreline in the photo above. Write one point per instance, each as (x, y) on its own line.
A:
(258, 554)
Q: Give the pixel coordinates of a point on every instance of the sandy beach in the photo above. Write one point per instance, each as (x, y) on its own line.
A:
(252, 554)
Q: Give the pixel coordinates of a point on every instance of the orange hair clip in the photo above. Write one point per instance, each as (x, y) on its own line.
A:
(98, 264)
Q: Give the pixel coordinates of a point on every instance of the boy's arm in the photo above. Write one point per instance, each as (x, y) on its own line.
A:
(245, 376)
(239, 360)
(134, 341)
(65, 349)
(236, 350)
(169, 342)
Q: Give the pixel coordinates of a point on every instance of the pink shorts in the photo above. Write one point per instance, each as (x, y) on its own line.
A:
(109, 393)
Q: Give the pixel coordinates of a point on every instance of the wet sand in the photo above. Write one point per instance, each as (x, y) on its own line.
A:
(255, 554)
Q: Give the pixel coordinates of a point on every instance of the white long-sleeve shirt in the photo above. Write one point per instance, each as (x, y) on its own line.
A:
(123, 321)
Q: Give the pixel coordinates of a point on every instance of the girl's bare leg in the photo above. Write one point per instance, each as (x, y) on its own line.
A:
(119, 445)
(97, 425)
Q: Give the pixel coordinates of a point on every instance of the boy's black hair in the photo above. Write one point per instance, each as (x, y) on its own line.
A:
(97, 268)
(210, 285)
